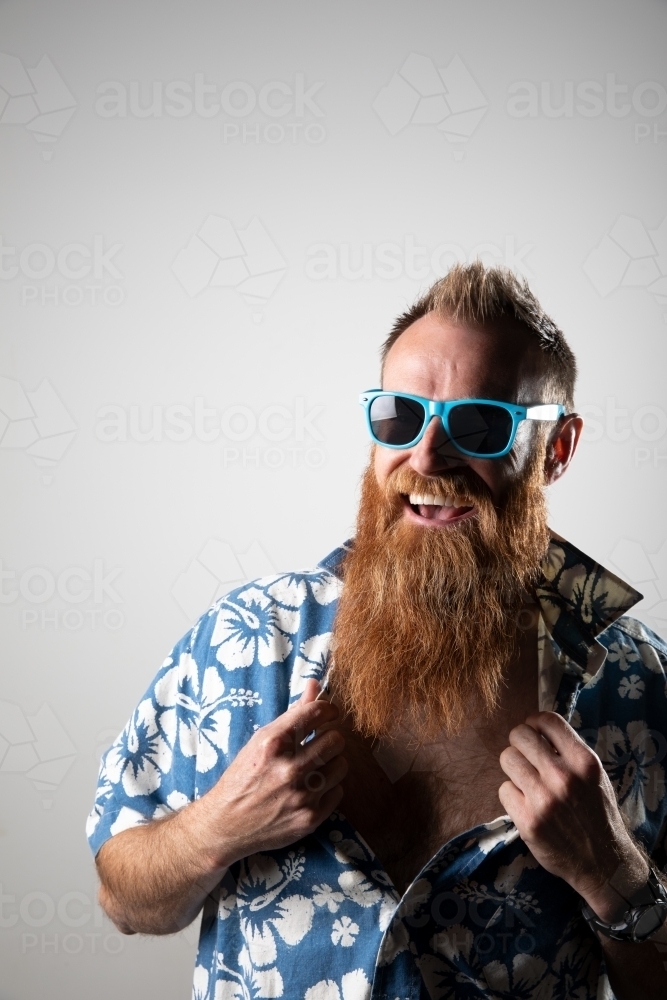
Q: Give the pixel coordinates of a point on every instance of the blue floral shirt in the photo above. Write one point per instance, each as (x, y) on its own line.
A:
(321, 919)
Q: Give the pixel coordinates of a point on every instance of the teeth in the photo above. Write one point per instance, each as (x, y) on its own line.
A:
(416, 499)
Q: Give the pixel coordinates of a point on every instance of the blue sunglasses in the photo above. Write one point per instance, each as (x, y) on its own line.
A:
(480, 428)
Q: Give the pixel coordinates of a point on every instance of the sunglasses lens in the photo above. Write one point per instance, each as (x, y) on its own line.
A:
(481, 428)
(396, 420)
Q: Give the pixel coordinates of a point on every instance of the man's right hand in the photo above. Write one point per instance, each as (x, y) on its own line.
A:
(156, 876)
(276, 790)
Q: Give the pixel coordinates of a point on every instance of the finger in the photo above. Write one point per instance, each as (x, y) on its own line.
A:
(534, 747)
(513, 801)
(322, 748)
(320, 779)
(310, 691)
(576, 769)
(559, 733)
(519, 770)
(569, 754)
(302, 718)
(323, 727)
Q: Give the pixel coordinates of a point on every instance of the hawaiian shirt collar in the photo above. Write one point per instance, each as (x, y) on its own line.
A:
(578, 599)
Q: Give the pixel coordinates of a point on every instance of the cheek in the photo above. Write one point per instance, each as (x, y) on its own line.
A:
(489, 473)
(498, 476)
(385, 461)
(528, 440)
(382, 464)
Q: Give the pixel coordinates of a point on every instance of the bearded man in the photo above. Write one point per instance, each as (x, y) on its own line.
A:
(496, 824)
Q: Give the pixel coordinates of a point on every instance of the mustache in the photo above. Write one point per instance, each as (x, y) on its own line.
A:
(463, 484)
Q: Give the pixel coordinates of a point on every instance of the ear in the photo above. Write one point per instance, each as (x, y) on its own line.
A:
(561, 446)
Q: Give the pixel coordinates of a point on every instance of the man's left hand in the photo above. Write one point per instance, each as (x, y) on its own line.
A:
(563, 804)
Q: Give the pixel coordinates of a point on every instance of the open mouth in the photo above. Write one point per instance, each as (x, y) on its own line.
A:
(438, 510)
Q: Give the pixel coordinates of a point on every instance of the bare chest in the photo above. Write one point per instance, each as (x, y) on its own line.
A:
(406, 803)
(408, 800)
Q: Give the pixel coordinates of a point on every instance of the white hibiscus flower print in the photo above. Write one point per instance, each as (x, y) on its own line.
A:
(175, 801)
(396, 940)
(262, 982)
(177, 692)
(93, 819)
(141, 755)
(575, 720)
(248, 984)
(632, 687)
(324, 895)
(587, 594)
(576, 968)
(291, 589)
(553, 562)
(443, 979)
(127, 819)
(622, 653)
(651, 659)
(200, 983)
(268, 916)
(527, 978)
(310, 662)
(509, 875)
(195, 716)
(347, 849)
(253, 628)
(631, 759)
(104, 790)
(226, 903)
(498, 831)
(344, 931)
(453, 942)
(353, 986)
(326, 588)
(357, 887)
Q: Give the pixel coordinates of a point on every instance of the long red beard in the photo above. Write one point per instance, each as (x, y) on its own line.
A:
(428, 618)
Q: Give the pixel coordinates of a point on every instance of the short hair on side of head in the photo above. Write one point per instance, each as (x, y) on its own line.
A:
(486, 296)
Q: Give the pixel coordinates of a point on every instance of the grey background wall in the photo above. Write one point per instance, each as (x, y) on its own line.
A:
(210, 214)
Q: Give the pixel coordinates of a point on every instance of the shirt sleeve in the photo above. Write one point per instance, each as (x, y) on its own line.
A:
(232, 673)
(151, 768)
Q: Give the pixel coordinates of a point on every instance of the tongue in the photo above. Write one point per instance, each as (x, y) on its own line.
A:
(436, 512)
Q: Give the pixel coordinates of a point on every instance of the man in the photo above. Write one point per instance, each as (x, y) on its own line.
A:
(500, 803)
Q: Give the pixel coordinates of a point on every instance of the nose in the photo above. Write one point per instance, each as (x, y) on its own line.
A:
(435, 453)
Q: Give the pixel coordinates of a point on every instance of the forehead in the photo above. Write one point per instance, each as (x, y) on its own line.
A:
(439, 359)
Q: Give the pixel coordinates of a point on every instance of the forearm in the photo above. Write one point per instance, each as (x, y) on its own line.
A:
(637, 971)
(155, 878)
